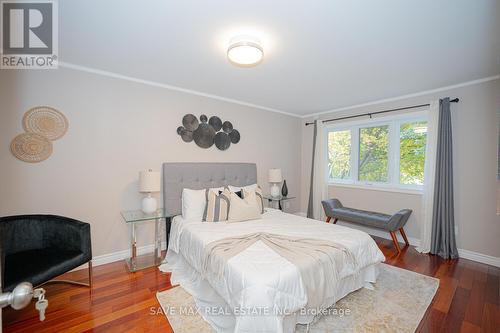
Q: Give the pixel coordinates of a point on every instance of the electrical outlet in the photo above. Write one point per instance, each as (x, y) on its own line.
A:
(456, 230)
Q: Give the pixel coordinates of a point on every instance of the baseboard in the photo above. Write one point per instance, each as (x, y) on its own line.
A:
(479, 257)
(466, 254)
(120, 255)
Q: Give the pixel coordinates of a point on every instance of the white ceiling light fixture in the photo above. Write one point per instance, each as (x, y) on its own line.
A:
(245, 51)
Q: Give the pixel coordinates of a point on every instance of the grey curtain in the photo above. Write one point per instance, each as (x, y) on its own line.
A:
(310, 209)
(443, 220)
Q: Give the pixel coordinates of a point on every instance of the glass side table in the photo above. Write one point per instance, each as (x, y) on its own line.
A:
(133, 218)
(278, 199)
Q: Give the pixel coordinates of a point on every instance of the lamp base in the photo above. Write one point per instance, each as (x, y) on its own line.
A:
(275, 190)
(149, 204)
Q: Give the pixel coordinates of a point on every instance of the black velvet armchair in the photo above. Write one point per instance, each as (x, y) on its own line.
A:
(38, 248)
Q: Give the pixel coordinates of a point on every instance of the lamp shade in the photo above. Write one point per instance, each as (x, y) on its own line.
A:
(149, 181)
(275, 175)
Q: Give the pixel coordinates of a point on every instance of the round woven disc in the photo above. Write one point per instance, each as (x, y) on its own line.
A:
(31, 147)
(204, 135)
(234, 136)
(227, 127)
(190, 122)
(187, 136)
(46, 121)
(215, 122)
(222, 141)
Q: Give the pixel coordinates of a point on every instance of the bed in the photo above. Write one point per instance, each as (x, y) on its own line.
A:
(259, 290)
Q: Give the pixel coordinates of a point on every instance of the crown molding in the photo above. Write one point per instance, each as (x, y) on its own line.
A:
(170, 87)
(394, 99)
(262, 107)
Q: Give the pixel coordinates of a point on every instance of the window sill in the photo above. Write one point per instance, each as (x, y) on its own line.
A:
(378, 188)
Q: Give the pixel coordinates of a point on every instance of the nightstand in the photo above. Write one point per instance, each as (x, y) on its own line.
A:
(135, 217)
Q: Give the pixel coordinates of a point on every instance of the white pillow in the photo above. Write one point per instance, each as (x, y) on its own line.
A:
(243, 209)
(194, 202)
(247, 188)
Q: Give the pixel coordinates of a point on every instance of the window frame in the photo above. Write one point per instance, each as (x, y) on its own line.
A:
(394, 173)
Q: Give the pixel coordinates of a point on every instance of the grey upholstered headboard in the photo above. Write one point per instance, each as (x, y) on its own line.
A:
(197, 176)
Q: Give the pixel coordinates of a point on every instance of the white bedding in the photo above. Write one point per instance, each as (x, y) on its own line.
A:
(258, 283)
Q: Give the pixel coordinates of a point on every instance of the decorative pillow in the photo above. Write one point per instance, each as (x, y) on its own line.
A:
(239, 188)
(217, 207)
(258, 197)
(238, 193)
(193, 203)
(243, 209)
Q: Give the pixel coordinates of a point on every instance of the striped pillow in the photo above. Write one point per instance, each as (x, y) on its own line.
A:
(217, 207)
(258, 194)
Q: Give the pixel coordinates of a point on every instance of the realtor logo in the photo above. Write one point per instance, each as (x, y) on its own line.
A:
(28, 34)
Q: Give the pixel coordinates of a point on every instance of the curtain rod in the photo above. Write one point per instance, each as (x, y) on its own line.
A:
(455, 100)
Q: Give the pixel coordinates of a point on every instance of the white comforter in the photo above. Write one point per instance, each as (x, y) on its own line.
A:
(260, 285)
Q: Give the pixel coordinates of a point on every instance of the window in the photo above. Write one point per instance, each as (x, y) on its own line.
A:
(339, 154)
(412, 139)
(374, 154)
(388, 153)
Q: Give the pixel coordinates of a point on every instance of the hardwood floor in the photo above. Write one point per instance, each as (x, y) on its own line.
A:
(467, 299)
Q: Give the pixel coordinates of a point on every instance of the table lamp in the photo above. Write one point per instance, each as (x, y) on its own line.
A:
(275, 179)
(149, 182)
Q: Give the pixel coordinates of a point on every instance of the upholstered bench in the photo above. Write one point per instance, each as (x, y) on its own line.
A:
(391, 223)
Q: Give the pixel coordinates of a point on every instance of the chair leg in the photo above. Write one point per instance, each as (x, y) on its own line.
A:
(328, 219)
(395, 241)
(335, 220)
(91, 279)
(404, 236)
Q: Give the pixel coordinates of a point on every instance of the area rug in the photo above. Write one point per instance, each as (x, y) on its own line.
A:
(396, 303)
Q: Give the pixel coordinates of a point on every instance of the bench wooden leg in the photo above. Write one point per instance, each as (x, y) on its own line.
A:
(335, 221)
(395, 240)
(404, 236)
(328, 219)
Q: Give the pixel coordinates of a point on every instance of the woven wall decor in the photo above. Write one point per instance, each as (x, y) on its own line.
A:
(207, 132)
(31, 147)
(45, 121)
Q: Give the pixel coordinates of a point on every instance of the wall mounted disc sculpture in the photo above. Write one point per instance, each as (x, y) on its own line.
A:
(45, 121)
(206, 132)
(31, 147)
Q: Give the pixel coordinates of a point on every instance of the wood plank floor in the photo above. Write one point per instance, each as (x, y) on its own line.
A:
(467, 299)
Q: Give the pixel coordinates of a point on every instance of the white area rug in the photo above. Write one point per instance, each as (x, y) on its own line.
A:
(397, 303)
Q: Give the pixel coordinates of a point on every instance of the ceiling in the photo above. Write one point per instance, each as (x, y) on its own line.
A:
(319, 55)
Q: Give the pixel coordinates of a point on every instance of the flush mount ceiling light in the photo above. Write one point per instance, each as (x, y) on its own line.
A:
(245, 51)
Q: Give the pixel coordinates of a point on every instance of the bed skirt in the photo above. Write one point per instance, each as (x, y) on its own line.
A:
(215, 310)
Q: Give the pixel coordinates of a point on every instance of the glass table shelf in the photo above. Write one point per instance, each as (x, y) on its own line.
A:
(278, 199)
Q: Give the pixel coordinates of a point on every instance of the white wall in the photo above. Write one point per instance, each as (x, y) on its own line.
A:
(475, 140)
(116, 129)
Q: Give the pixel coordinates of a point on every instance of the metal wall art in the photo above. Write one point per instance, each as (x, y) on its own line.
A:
(207, 132)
